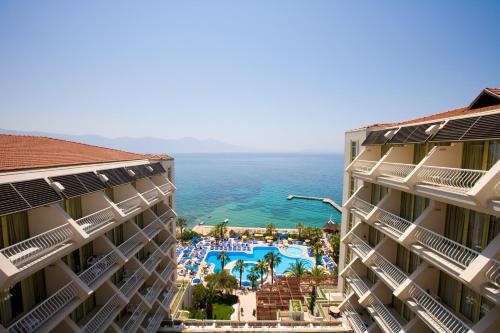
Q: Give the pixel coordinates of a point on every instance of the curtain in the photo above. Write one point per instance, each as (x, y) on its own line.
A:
(401, 257)
(15, 228)
(73, 207)
(406, 206)
(472, 157)
(139, 220)
(494, 227)
(493, 153)
(448, 288)
(476, 235)
(469, 304)
(420, 204)
(455, 222)
(109, 192)
(419, 152)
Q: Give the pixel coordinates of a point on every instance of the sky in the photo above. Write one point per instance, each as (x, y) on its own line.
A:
(281, 76)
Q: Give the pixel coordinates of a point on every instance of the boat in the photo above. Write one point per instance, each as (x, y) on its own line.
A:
(226, 220)
(201, 223)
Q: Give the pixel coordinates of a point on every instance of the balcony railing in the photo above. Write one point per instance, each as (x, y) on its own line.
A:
(128, 205)
(151, 195)
(155, 321)
(132, 282)
(357, 283)
(153, 291)
(135, 319)
(95, 220)
(362, 206)
(395, 170)
(363, 166)
(354, 319)
(168, 298)
(167, 271)
(35, 247)
(152, 228)
(165, 188)
(451, 250)
(359, 245)
(45, 310)
(384, 314)
(167, 216)
(451, 179)
(94, 272)
(394, 274)
(397, 224)
(153, 260)
(128, 247)
(105, 313)
(493, 273)
(167, 244)
(438, 313)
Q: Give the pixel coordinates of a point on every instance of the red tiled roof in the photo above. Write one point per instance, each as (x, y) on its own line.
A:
(32, 152)
(443, 115)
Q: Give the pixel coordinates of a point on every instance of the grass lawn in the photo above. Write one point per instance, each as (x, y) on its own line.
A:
(222, 311)
(222, 308)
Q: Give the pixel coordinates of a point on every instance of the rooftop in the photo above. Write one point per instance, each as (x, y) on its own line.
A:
(18, 152)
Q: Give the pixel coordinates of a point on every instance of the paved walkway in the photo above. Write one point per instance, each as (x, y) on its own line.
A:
(247, 303)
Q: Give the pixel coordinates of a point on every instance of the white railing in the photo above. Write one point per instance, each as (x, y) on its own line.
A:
(128, 247)
(354, 319)
(361, 205)
(92, 273)
(97, 321)
(165, 188)
(35, 247)
(167, 271)
(95, 220)
(152, 228)
(384, 314)
(357, 283)
(493, 273)
(153, 291)
(167, 216)
(363, 166)
(45, 310)
(135, 319)
(167, 244)
(394, 222)
(359, 245)
(155, 321)
(442, 316)
(452, 250)
(452, 179)
(153, 260)
(392, 272)
(131, 283)
(168, 298)
(151, 195)
(129, 204)
(395, 170)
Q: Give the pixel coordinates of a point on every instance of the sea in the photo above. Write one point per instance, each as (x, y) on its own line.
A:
(252, 189)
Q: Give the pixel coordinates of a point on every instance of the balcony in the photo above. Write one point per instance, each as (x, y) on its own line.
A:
(97, 270)
(383, 316)
(167, 272)
(354, 319)
(386, 270)
(107, 312)
(357, 283)
(435, 314)
(167, 244)
(153, 291)
(127, 206)
(151, 195)
(154, 321)
(168, 297)
(153, 228)
(43, 312)
(130, 245)
(34, 248)
(135, 319)
(449, 179)
(391, 222)
(153, 260)
(397, 171)
(361, 206)
(96, 220)
(167, 216)
(166, 188)
(363, 166)
(132, 283)
(358, 245)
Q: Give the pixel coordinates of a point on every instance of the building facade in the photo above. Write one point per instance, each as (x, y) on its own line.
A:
(87, 237)
(421, 220)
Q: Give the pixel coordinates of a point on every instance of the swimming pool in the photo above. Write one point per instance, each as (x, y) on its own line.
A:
(258, 253)
(294, 251)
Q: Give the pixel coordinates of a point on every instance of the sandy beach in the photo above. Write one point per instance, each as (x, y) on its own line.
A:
(205, 229)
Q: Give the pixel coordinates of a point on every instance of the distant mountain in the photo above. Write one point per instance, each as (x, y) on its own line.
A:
(145, 144)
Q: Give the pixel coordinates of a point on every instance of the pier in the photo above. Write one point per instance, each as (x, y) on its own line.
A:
(325, 200)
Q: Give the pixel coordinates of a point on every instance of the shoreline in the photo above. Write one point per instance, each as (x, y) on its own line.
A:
(205, 229)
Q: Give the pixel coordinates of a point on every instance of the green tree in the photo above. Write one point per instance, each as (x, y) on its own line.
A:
(253, 276)
(181, 224)
(223, 257)
(317, 250)
(335, 243)
(222, 281)
(240, 267)
(261, 267)
(297, 269)
(273, 259)
(299, 228)
(270, 229)
(316, 273)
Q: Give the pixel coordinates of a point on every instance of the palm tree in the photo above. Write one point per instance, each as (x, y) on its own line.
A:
(222, 281)
(273, 259)
(316, 273)
(317, 250)
(210, 294)
(240, 267)
(253, 276)
(270, 229)
(261, 267)
(223, 257)
(181, 224)
(299, 228)
(297, 269)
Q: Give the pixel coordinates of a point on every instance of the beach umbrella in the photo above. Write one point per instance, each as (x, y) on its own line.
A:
(245, 284)
(244, 237)
(307, 240)
(269, 237)
(258, 235)
(196, 280)
(180, 266)
(334, 310)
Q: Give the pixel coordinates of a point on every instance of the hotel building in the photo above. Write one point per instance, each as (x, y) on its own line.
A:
(87, 237)
(420, 224)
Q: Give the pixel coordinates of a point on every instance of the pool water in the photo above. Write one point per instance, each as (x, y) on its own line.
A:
(258, 253)
(294, 251)
(244, 276)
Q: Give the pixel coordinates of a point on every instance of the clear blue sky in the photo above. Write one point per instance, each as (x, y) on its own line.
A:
(268, 75)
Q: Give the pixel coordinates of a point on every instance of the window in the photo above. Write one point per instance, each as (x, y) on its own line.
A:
(378, 192)
(352, 185)
(473, 156)
(169, 173)
(374, 236)
(406, 260)
(73, 207)
(354, 150)
(493, 153)
(14, 228)
(412, 206)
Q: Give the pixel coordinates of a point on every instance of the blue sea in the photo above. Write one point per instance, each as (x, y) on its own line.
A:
(252, 189)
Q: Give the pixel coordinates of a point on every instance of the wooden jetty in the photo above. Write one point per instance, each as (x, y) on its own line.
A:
(325, 200)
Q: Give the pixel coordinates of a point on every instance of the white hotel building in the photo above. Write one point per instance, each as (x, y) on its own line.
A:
(421, 220)
(86, 237)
